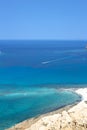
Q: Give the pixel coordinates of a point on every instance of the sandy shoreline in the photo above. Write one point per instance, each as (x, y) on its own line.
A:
(67, 118)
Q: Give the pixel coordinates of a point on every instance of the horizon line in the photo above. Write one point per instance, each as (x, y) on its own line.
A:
(43, 39)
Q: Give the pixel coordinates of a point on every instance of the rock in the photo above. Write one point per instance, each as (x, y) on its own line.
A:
(73, 119)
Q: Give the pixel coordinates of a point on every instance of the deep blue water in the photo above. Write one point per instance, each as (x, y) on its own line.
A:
(34, 75)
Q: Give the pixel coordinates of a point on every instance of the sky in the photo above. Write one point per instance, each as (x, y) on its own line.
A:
(43, 19)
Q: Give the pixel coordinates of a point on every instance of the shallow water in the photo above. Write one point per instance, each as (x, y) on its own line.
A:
(20, 104)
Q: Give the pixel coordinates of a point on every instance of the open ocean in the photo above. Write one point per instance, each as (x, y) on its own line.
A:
(35, 76)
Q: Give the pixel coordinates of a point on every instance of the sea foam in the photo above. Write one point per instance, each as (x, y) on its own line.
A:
(83, 93)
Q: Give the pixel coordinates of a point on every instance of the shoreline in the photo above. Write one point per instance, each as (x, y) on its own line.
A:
(29, 123)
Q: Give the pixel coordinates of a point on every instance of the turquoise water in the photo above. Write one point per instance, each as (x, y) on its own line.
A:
(18, 104)
(35, 75)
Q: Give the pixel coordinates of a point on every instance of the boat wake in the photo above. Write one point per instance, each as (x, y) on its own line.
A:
(56, 60)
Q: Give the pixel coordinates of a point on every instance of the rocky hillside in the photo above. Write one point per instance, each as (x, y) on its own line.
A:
(73, 119)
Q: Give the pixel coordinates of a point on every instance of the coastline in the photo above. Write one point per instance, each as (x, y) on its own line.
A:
(52, 119)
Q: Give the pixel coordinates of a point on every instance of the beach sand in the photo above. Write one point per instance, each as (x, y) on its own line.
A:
(68, 118)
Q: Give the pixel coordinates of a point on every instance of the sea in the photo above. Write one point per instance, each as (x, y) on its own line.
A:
(39, 76)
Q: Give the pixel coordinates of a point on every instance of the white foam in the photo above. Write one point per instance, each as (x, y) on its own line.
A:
(46, 62)
(56, 60)
(83, 93)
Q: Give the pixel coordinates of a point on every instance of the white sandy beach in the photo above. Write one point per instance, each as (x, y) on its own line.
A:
(72, 118)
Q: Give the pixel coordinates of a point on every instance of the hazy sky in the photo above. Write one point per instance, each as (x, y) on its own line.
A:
(43, 19)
